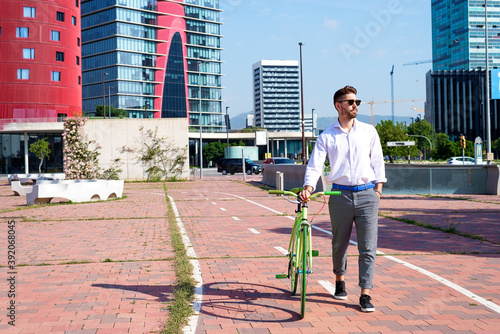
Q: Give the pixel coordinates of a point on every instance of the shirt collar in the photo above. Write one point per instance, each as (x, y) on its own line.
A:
(337, 125)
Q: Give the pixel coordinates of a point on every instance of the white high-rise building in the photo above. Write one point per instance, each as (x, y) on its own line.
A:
(277, 95)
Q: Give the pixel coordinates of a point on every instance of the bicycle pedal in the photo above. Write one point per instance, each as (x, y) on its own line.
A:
(282, 276)
(315, 253)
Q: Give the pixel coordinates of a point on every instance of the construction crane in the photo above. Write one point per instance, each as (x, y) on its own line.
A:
(392, 102)
(418, 109)
(392, 95)
(418, 62)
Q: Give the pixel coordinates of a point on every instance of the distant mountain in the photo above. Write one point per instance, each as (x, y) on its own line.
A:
(239, 121)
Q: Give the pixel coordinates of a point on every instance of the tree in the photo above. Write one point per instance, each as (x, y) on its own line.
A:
(421, 128)
(41, 149)
(495, 145)
(120, 113)
(161, 159)
(213, 151)
(387, 131)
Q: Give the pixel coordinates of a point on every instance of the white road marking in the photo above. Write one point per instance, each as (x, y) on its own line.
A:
(214, 203)
(198, 290)
(254, 231)
(328, 286)
(438, 278)
(282, 250)
(235, 218)
(222, 209)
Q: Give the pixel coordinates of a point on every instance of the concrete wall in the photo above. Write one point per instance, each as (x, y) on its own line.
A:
(114, 134)
(409, 179)
(293, 176)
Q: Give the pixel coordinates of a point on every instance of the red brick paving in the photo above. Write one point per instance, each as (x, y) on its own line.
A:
(241, 294)
(238, 266)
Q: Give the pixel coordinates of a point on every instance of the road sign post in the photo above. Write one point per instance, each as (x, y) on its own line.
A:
(402, 143)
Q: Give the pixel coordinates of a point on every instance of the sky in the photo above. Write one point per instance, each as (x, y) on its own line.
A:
(344, 43)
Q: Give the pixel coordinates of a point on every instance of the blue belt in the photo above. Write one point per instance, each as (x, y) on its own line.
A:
(353, 188)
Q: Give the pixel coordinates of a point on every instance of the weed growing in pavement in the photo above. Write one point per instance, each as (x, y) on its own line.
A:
(180, 307)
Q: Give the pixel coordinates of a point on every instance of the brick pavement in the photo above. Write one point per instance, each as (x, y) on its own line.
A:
(66, 285)
(102, 267)
(238, 266)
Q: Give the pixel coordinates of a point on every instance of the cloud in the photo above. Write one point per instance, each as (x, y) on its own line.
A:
(380, 53)
(331, 24)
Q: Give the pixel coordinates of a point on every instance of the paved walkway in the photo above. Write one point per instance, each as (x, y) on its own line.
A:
(106, 267)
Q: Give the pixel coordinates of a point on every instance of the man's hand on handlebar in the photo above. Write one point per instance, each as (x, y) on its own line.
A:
(306, 193)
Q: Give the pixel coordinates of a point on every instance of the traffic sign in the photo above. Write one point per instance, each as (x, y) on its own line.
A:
(400, 143)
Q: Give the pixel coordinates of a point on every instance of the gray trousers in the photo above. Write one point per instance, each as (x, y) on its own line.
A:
(362, 209)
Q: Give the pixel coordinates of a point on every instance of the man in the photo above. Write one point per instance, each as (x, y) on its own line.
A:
(357, 170)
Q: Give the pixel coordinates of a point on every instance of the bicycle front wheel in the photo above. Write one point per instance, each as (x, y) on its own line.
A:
(293, 272)
(304, 269)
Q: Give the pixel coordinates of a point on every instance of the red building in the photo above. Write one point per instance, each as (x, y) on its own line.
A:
(40, 60)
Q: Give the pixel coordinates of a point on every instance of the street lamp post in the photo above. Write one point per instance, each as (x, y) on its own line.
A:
(302, 107)
(201, 120)
(488, 120)
(227, 132)
(104, 96)
(109, 99)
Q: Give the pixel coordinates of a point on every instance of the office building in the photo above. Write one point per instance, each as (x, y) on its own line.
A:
(456, 89)
(40, 73)
(276, 93)
(455, 104)
(458, 34)
(154, 59)
(40, 79)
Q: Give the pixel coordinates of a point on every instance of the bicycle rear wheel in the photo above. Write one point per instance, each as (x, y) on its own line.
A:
(304, 261)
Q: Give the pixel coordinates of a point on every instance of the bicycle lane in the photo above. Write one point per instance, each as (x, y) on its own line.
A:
(241, 293)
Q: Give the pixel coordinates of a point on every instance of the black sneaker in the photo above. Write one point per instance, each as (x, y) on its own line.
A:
(365, 304)
(340, 290)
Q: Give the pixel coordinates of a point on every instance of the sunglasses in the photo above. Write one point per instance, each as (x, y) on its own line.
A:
(351, 102)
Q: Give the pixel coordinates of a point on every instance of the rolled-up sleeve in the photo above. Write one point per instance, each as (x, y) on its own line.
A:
(377, 159)
(316, 163)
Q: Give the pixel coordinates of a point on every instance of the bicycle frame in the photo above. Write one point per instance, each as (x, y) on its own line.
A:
(300, 251)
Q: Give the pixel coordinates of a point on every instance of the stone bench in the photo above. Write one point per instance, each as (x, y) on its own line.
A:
(24, 178)
(19, 189)
(74, 190)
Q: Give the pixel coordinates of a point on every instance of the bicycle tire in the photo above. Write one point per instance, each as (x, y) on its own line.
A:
(293, 272)
(303, 274)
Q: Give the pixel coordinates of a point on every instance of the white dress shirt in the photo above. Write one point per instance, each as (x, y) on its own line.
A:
(355, 157)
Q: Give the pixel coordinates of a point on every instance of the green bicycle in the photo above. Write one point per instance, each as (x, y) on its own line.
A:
(300, 252)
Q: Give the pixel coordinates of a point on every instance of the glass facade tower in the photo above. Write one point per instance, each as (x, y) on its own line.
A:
(277, 95)
(153, 58)
(458, 34)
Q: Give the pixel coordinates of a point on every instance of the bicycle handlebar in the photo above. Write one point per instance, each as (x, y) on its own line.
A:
(290, 193)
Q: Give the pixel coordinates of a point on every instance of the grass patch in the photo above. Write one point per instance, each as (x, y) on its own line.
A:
(452, 229)
(181, 306)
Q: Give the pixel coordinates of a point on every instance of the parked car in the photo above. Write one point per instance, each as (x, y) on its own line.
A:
(232, 166)
(461, 161)
(277, 161)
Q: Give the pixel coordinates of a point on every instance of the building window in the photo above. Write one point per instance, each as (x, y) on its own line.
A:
(76, 3)
(78, 41)
(55, 76)
(29, 53)
(60, 16)
(55, 35)
(29, 12)
(73, 20)
(23, 74)
(59, 56)
(79, 80)
(22, 32)
(77, 60)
